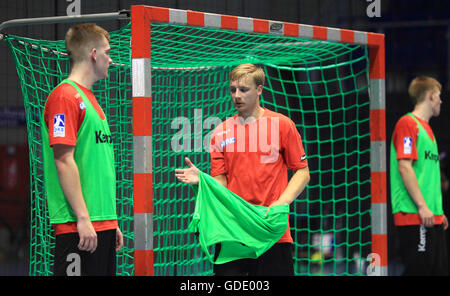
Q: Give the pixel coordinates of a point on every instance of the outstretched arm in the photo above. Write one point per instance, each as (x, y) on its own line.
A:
(190, 175)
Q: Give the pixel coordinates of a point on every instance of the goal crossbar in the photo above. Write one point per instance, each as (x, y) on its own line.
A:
(96, 17)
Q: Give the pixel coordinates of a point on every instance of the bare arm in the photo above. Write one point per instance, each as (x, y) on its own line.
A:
(69, 179)
(190, 175)
(410, 181)
(295, 186)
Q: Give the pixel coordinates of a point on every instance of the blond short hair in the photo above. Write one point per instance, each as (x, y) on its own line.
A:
(419, 87)
(248, 70)
(81, 38)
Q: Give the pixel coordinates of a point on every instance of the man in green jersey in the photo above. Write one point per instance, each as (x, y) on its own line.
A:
(415, 184)
(79, 170)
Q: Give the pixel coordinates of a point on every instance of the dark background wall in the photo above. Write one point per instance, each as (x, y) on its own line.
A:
(417, 42)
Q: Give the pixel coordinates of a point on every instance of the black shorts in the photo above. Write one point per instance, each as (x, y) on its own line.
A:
(423, 250)
(69, 260)
(277, 261)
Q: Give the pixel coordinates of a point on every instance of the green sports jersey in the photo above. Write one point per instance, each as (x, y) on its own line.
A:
(94, 156)
(428, 174)
(244, 230)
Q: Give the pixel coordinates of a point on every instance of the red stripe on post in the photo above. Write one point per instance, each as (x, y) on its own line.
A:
(260, 26)
(140, 32)
(347, 36)
(376, 55)
(379, 246)
(320, 32)
(378, 125)
(229, 22)
(143, 262)
(160, 14)
(143, 192)
(195, 18)
(378, 187)
(142, 116)
(291, 29)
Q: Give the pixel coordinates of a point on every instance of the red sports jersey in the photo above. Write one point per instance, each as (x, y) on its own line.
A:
(404, 139)
(255, 157)
(65, 100)
(63, 114)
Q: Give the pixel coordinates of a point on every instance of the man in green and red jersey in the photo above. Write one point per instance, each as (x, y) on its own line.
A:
(416, 184)
(79, 167)
(251, 153)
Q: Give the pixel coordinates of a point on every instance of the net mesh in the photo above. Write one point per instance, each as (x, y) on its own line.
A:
(322, 86)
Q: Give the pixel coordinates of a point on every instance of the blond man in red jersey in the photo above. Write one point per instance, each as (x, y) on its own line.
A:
(86, 228)
(251, 153)
(416, 195)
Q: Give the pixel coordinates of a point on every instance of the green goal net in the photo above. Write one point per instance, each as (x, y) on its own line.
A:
(322, 86)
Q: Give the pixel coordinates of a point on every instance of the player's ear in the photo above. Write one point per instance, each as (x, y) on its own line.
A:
(93, 54)
(259, 89)
(429, 95)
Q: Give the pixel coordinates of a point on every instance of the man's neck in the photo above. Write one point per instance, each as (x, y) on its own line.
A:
(422, 112)
(254, 115)
(83, 75)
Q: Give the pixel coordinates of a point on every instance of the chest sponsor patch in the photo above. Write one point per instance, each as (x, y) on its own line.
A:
(101, 138)
(227, 142)
(82, 106)
(59, 126)
(407, 145)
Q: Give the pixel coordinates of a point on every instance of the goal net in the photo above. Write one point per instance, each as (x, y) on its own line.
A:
(323, 86)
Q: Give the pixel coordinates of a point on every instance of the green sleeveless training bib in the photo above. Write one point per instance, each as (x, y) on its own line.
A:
(94, 156)
(243, 229)
(428, 175)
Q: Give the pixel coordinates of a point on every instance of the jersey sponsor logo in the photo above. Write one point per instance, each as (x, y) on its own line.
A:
(407, 145)
(430, 156)
(82, 106)
(59, 125)
(227, 142)
(223, 132)
(303, 158)
(101, 138)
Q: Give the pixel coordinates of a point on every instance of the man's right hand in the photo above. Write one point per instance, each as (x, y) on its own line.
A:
(188, 175)
(426, 216)
(88, 236)
(409, 179)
